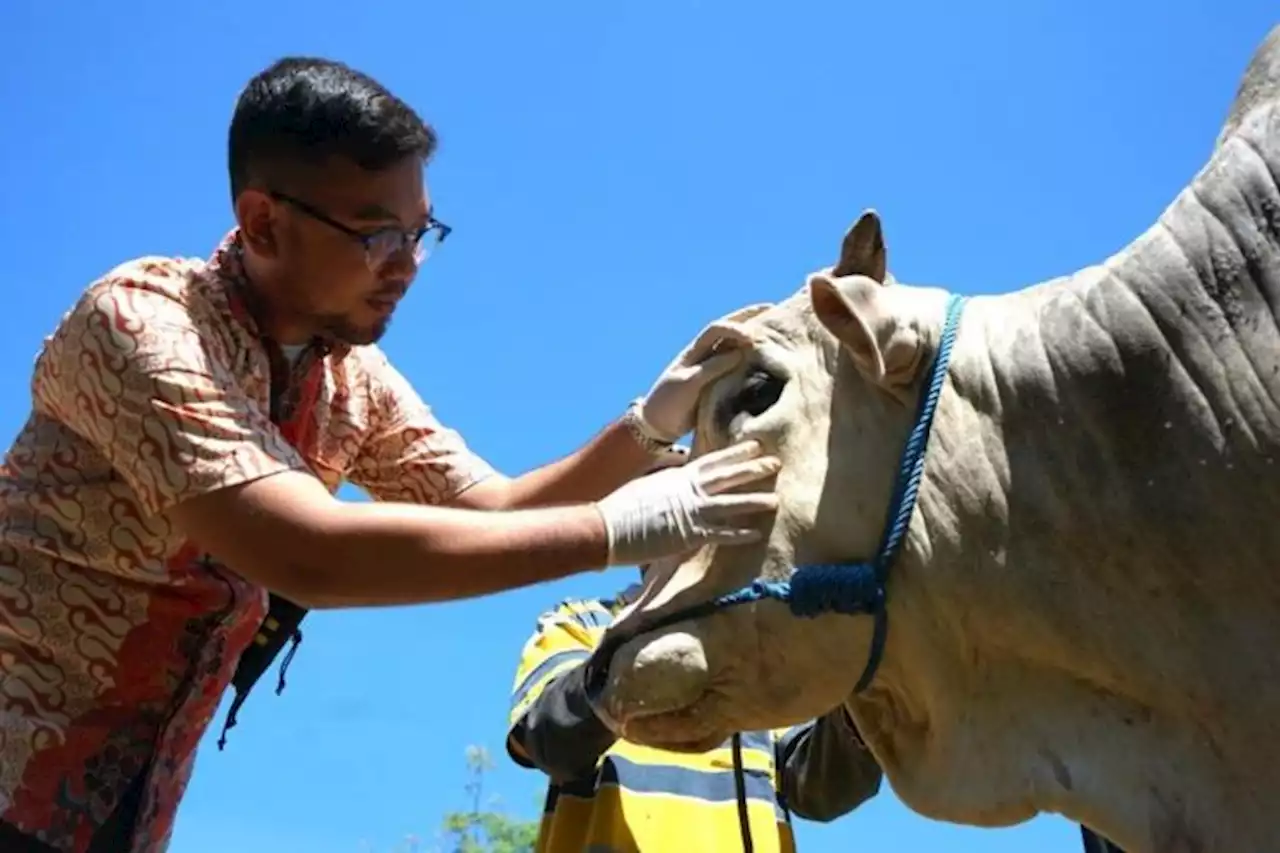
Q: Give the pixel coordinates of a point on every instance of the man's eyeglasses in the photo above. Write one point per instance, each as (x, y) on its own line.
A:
(382, 244)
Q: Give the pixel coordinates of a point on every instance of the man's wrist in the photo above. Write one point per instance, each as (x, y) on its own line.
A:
(642, 432)
(608, 535)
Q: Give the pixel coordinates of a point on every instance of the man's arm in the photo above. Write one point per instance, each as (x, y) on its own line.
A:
(130, 371)
(825, 770)
(289, 534)
(611, 458)
(631, 444)
(411, 457)
(552, 725)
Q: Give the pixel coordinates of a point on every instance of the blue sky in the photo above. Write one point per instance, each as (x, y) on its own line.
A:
(617, 174)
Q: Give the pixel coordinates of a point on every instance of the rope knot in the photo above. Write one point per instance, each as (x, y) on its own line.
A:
(833, 588)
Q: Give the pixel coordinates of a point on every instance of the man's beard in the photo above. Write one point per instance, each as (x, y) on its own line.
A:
(339, 329)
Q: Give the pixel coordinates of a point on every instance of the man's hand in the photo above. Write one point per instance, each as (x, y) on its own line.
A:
(680, 509)
(667, 411)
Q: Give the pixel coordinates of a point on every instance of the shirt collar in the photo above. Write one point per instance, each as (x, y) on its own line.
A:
(226, 266)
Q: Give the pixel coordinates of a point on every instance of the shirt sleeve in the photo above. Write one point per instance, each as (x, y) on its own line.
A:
(409, 456)
(132, 373)
(552, 726)
(825, 769)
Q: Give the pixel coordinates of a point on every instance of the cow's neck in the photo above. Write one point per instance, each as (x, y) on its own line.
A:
(1136, 403)
(1101, 510)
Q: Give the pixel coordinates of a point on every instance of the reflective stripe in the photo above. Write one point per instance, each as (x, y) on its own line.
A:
(545, 668)
(593, 619)
(712, 786)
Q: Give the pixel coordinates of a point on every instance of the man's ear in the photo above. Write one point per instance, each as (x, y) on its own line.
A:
(862, 251)
(860, 311)
(255, 216)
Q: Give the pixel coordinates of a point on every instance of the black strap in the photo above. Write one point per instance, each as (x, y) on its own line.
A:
(279, 627)
(283, 617)
(740, 786)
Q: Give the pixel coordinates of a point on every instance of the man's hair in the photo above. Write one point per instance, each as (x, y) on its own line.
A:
(305, 110)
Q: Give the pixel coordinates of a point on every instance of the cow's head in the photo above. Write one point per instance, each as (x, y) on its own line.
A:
(830, 386)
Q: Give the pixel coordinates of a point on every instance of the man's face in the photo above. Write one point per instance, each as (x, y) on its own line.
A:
(333, 245)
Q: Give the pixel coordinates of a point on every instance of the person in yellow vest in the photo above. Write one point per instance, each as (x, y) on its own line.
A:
(607, 795)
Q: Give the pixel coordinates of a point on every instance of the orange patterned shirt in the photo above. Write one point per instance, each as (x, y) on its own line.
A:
(117, 636)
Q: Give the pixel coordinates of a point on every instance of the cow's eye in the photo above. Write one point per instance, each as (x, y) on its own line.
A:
(758, 392)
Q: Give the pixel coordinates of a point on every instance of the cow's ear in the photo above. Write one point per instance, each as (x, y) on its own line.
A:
(886, 346)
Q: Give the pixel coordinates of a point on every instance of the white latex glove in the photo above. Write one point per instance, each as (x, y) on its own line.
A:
(680, 509)
(671, 457)
(669, 408)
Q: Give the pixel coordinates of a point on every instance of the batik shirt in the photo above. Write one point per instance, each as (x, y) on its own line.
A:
(117, 635)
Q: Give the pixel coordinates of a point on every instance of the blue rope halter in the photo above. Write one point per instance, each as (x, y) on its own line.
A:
(848, 588)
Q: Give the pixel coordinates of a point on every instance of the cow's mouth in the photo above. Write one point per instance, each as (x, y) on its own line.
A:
(689, 726)
(675, 731)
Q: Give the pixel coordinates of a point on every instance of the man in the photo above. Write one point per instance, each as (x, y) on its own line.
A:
(191, 422)
(611, 795)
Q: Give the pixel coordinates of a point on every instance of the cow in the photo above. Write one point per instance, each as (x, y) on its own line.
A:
(1078, 609)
